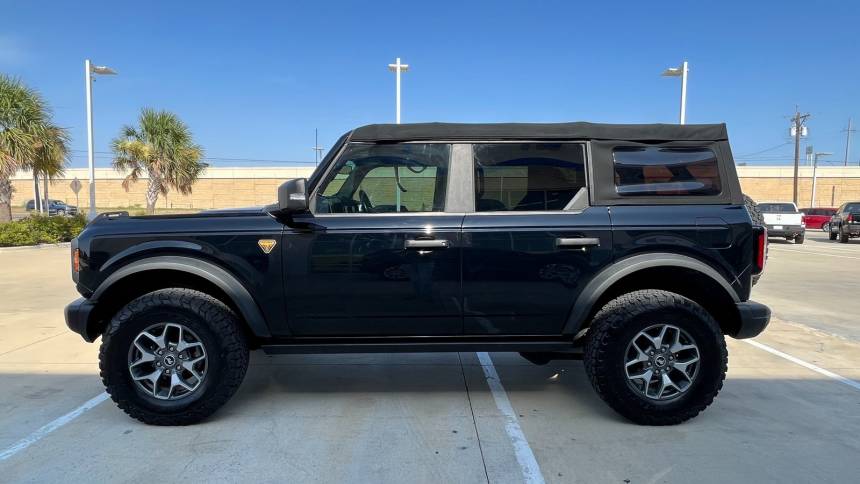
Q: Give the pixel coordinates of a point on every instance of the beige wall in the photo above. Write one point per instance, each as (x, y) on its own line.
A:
(236, 187)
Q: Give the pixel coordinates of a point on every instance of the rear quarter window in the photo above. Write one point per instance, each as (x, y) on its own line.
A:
(665, 171)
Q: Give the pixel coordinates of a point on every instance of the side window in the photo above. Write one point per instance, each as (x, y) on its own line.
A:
(386, 178)
(665, 171)
(527, 176)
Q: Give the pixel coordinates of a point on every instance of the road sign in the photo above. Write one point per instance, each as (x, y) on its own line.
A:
(76, 187)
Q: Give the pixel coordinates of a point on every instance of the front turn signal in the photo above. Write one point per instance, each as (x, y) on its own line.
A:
(76, 261)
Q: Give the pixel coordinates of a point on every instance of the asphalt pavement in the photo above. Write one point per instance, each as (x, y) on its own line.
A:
(789, 410)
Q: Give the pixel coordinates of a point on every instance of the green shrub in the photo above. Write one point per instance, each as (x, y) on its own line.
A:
(38, 229)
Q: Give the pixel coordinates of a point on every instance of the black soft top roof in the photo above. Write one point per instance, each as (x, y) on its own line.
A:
(543, 131)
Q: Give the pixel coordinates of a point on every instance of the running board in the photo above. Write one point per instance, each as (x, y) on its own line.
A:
(345, 346)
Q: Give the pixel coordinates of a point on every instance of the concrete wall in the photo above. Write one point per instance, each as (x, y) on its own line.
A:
(236, 187)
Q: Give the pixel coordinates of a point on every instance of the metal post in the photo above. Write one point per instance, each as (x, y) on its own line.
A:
(684, 92)
(814, 178)
(848, 141)
(91, 214)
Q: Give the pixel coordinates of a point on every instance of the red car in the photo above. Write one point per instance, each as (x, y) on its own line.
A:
(816, 217)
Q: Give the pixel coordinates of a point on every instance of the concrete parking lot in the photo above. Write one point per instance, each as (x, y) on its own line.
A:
(789, 410)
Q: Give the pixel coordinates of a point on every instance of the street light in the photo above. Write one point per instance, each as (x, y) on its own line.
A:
(682, 73)
(398, 68)
(89, 70)
(815, 174)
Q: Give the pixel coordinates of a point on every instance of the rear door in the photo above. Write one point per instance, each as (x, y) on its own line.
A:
(530, 240)
(379, 255)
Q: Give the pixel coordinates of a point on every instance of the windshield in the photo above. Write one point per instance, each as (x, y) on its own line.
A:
(777, 208)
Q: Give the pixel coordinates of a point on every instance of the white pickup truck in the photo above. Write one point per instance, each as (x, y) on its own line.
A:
(783, 219)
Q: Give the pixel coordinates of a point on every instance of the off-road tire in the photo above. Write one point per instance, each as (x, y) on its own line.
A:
(831, 234)
(757, 219)
(619, 321)
(843, 235)
(217, 327)
(799, 239)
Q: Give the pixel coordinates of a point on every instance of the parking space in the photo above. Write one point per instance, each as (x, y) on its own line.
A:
(436, 417)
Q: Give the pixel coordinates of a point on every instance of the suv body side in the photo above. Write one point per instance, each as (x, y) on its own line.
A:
(501, 273)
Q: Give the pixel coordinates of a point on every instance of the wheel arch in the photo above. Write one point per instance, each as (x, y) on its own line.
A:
(147, 275)
(676, 273)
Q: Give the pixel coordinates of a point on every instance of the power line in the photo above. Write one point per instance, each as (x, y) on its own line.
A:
(764, 150)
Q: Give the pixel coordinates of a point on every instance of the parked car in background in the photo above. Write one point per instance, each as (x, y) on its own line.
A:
(845, 223)
(55, 207)
(783, 219)
(817, 218)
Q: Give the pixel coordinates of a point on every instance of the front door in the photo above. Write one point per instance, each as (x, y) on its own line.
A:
(532, 242)
(378, 255)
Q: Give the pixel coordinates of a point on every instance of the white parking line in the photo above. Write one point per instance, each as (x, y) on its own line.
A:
(851, 383)
(522, 450)
(52, 426)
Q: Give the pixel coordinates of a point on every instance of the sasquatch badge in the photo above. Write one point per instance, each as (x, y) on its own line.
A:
(267, 244)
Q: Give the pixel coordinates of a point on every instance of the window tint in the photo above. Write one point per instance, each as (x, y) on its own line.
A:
(370, 178)
(527, 176)
(777, 207)
(852, 207)
(669, 171)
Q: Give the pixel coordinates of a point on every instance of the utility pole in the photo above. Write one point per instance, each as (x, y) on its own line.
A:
(797, 123)
(317, 148)
(848, 140)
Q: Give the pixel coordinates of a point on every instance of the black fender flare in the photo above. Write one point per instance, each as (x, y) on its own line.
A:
(224, 280)
(624, 267)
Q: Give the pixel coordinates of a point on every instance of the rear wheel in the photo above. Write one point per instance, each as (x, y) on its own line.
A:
(655, 357)
(830, 233)
(799, 239)
(173, 357)
(843, 235)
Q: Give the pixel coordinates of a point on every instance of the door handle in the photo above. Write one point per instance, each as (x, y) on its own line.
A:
(577, 242)
(426, 244)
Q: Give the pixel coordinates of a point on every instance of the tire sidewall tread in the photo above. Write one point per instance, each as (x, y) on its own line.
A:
(211, 320)
(610, 333)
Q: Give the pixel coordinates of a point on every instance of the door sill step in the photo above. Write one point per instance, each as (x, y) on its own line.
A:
(346, 346)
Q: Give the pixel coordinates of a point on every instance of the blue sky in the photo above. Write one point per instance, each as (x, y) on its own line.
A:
(253, 79)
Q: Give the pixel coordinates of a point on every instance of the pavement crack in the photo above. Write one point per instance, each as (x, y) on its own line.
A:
(33, 343)
(474, 420)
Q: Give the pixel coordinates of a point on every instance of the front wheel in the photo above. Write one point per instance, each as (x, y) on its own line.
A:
(173, 357)
(655, 357)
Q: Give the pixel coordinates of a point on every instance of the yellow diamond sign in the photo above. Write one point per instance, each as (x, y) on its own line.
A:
(267, 244)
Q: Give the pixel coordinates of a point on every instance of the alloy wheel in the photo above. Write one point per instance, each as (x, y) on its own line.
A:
(167, 361)
(661, 362)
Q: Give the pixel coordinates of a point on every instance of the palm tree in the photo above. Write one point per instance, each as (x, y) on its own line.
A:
(162, 148)
(51, 157)
(24, 118)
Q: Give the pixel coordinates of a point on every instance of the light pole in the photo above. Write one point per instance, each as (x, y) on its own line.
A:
(397, 67)
(89, 70)
(682, 73)
(815, 174)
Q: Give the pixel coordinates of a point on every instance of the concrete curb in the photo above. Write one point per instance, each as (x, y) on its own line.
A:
(36, 247)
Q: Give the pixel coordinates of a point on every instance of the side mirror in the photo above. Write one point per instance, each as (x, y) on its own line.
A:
(292, 197)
